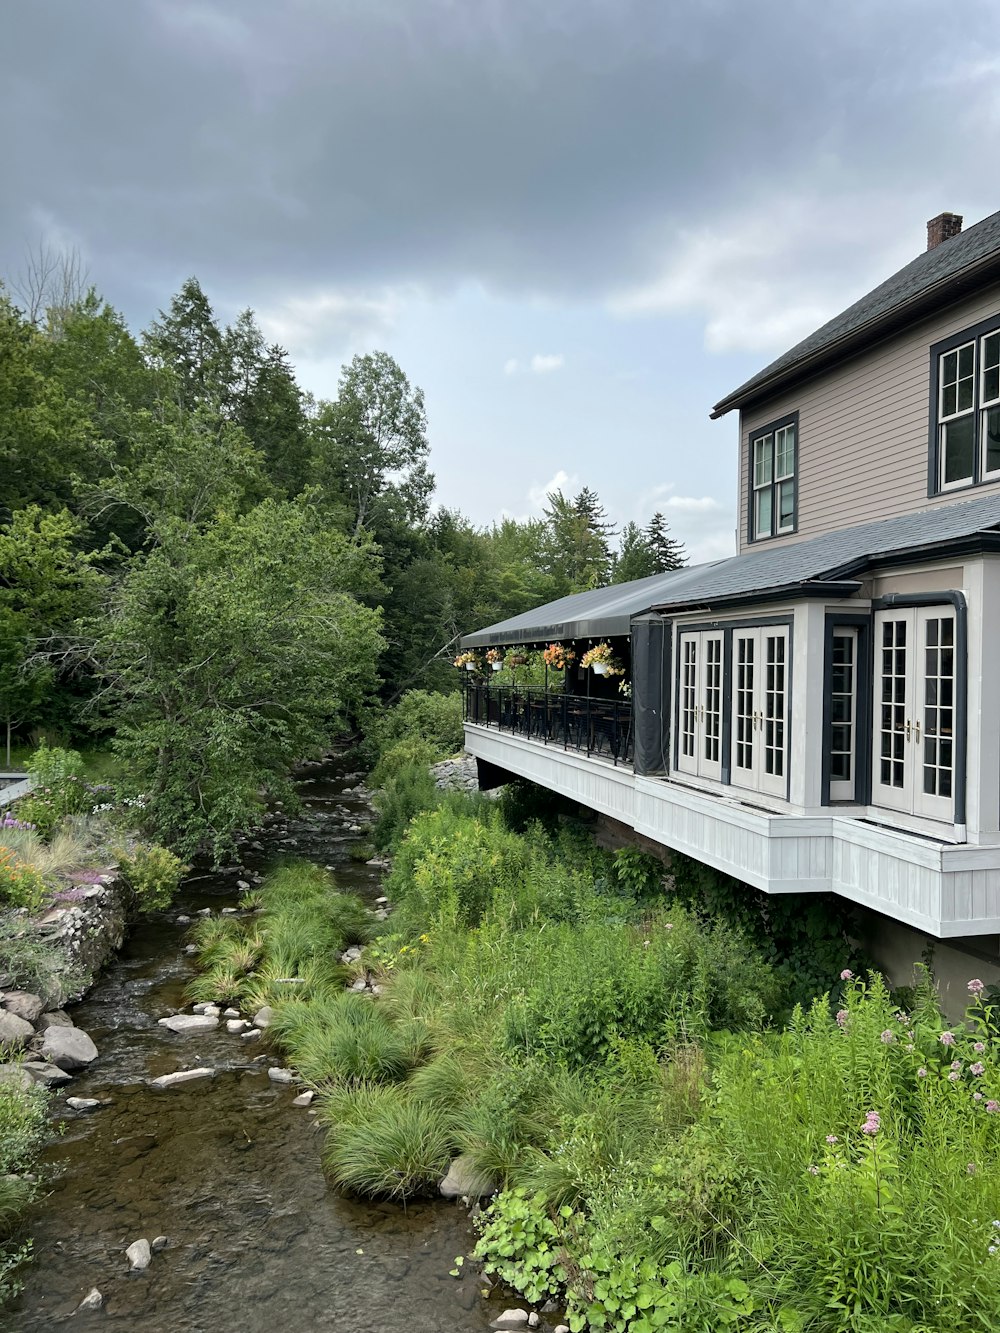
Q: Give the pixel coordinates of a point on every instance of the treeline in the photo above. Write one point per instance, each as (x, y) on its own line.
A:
(205, 564)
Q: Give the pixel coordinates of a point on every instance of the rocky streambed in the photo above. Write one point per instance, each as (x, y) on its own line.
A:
(198, 1204)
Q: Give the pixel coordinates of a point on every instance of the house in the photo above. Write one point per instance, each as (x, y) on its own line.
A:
(821, 712)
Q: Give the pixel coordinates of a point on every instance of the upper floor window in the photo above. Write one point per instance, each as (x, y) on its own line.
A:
(967, 409)
(773, 462)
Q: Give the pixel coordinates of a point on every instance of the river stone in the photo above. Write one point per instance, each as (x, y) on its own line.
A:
(304, 1098)
(189, 1023)
(252, 1035)
(24, 1004)
(17, 1075)
(190, 949)
(236, 1025)
(262, 1018)
(278, 1075)
(463, 1180)
(511, 1319)
(138, 1255)
(55, 1018)
(14, 1031)
(50, 1076)
(182, 920)
(351, 955)
(532, 1320)
(160, 1243)
(69, 1048)
(92, 1301)
(230, 1013)
(182, 1076)
(82, 1103)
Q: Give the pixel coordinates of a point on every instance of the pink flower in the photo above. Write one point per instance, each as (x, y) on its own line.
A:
(888, 1037)
(814, 1170)
(947, 1039)
(956, 1064)
(954, 1076)
(977, 1096)
(921, 1072)
(842, 1017)
(847, 974)
(979, 1047)
(977, 1069)
(993, 1107)
(873, 1123)
(832, 1138)
(976, 987)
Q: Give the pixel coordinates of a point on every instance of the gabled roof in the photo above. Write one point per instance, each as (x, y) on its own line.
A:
(934, 279)
(828, 565)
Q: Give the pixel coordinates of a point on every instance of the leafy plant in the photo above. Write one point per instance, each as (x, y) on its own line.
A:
(153, 874)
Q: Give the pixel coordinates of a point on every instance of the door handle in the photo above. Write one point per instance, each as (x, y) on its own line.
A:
(916, 732)
(907, 728)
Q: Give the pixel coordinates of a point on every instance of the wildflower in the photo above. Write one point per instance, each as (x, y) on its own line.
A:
(921, 1072)
(979, 1047)
(971, 1168)
(947, 1039)
(954, 1076)
(832, 1138)
(668, 925)
(977, 1096)
(814, 1170)
(909, 1045)
(873, 1123)
(847, 974)
(976, 987)
(956, 1064)
(888, 1037)
(977, 1069)
(842, 1018)
(993, 1107)
(902, 1018)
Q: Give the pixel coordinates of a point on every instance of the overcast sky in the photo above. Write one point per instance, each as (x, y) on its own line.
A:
(576, 224)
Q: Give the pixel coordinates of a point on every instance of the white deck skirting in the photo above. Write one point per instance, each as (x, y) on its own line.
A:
(14, 791)
(944, 889)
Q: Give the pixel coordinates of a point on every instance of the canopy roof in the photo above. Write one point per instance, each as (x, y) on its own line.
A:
(824, 565)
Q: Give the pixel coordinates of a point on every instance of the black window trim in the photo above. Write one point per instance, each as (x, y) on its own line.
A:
(972, 334)
(862, 623)
(789, 419)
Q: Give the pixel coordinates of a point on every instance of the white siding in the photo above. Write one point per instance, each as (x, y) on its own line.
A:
(863, 430)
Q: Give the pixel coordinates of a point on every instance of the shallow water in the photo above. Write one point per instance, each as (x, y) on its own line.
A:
(226, 1168)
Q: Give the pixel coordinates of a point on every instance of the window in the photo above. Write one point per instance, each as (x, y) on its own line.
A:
(843, 705)
(967, 409)
(772, 479)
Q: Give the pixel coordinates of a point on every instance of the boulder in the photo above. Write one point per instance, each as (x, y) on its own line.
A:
(14, 1031)
(182, 1076)
(278, 1075)
(50, 1076)
(304, 1098)
(92, 1301)
(262, 1018)
(190, 1023)
(182, 920)
(511, 1319)
(82, 1103)
(230, 1013)
(17, 1075)
(236, 1025)
(252, 1035)
(24, 1004)
(463, 1181)
(138, 1255)
(69, 1048)
(55, 1018)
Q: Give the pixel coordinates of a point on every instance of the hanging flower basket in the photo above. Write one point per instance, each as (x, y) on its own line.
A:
(601, 659)
(495, 658)
(517, 657)
(468, 660)
(558, 656)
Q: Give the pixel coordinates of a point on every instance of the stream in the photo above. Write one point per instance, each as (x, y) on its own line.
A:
(226, 1168)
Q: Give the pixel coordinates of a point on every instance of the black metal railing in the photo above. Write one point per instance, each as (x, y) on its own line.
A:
(574, 721)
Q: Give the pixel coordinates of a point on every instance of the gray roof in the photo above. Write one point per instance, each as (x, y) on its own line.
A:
(830, 559)
(933, 279)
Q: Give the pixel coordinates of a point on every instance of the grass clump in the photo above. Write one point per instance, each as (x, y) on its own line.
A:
(385, 1143)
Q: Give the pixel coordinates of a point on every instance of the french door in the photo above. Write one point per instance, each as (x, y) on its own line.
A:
(914, 754)
(699, 746)
(760, 709)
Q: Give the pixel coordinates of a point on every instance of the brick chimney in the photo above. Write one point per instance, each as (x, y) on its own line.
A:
(943, 228)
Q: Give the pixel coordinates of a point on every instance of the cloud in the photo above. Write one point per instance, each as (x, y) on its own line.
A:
(511, 366)
(331, 322)
(540, 364)
(563, 481)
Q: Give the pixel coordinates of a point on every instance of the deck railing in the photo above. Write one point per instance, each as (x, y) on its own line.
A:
(572, 721)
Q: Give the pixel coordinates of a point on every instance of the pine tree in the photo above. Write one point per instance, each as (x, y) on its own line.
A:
(185, 341)
(668, 552)
(636, 558)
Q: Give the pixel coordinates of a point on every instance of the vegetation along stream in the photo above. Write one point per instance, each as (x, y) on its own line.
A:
(226, 1168)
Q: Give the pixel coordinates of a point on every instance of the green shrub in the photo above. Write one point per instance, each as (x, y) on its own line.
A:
(435, 719)
(383, 1143)
(410, 750)
(153, 874)
(347, 1039)
(400, 800)
(58, 788)
(21, 885)
(23, 1130)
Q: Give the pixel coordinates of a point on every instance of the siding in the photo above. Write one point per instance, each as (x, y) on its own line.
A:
(863, 432)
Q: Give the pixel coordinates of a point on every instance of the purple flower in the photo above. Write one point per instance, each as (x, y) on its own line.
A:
(993, 1107)
(921, 1072)
(977, 1096)
(888, 1037)
(873, 1123)
(954, 1076)
(842, 1017)
(847, 974)
(902, 1018)
(956, 1064)
(832, 1138)
(979, 1047)
(977, 1069)
(976, 987)
(947, 1039)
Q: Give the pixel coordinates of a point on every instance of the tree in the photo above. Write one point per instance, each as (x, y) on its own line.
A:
(371, 444)
(185, 344)
(226, 653)
(636, 558)
(577, 551)
(50, 284)
(668, 552)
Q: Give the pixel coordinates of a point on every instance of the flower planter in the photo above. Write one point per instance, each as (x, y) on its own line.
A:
(470, 666)
(599, 668)
(497, 666)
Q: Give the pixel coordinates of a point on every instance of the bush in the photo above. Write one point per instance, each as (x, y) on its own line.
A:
(401, 799)
(153, 874)
(385, 1144)
(58, 788)
(21, 885)
(435, 719)
(414, 750)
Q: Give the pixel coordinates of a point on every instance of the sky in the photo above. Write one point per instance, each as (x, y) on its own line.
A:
(576, 224)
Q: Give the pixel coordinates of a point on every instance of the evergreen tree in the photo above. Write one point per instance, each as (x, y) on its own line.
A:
(668, 552)
(636, 558)
(185, 342)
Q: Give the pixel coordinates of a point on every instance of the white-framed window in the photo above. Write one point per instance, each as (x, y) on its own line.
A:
(773, 464)
(967, 409)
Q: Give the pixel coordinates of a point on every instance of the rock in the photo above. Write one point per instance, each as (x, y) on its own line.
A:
(304, 1098)
(82, 1103)
(277, 1075)
(191, 949)
(252, 1035)
(511, 1319)
(24, 1004)
(205, 911)
(230, 1013)
(200, 1007)
(380, 902)
(532, 1320)
(182, 1076)
(262, 1018)
(55, 1018)
(160, 1243)
(562, 1328)
(14, 1031)
(233, 911)
(50, 1076)
(182, 920)
(92, 1301)
(463, 1181)
(351, 955)
(138, 1255)
(190, 1023)
(212, 1010)
(18, 1076)
(243, 885)
(359, 985)
(69, 1048)
(236, 1025)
